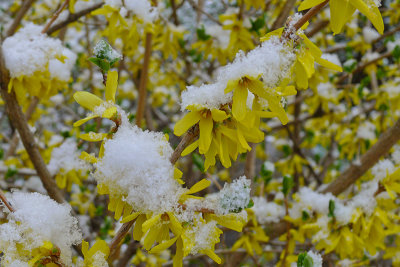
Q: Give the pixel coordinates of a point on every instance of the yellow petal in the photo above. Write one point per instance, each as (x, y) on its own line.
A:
(137, 230)
(109, 112)
(175, 225)
(130, 217)
(163, 246)
(87, 100)
(150, 222)
(88, 157)
(186, 122)
(111, 85)
(239, 99)
(212, 255)
(198, 186)
(206, 126)
(218, 115)
(341, 12)
(307, 4)
(82, 121)
(314, 50)
(372, 13)
(190, 148)
(85, 248)
(328, 64)
(178, 258)
(94, 137)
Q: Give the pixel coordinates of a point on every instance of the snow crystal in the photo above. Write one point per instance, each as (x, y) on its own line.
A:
(396, 154)
(234, 196)
(60, 70)
(267, 212)
(382, 168)
(205, 235)
(29, 51)
(317, 259)
(103, 50)
(332, 58)
(136, 165)
(271, 61)
(143, 9)
(202, 96)
(366, 131)
(327, 91)
(66, 158)
(370, 34)
(32, 223)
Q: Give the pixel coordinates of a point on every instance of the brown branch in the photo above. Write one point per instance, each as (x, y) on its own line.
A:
(317, 27)
(369, 159)
(193, 4)
(310, 13)
(19, 121)
(55, 16)
(14, 139)
(115, 242)
(20, 14)
(5, 201)
(280, 20)
(130, 250)
(143, 81)
(73, 17)
(186, 140)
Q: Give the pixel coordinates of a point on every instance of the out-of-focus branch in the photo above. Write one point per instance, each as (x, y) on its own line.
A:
(20, 14)
(73, 17)
(186, 140)
(280, 20)
(19, 121)
(144, 76)
(55, 16)
(368, 160)
(5, 201)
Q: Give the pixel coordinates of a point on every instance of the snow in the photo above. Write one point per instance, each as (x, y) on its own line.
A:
(201, 96)
(382, 168)
(66, 158)
(136, 165)
(103, 50)
(327, 91)
(32, 223)
(204, 235)
(270, 61)
(370, 34)
(267, 212)
(142, 9)
(29, 51)
(317, 259)
(234, 196)
(366, 131)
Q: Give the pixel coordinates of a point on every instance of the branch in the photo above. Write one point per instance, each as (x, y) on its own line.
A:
(368, 160)
(55, 16)
(19, 121)
(73, 17)
(186, 140)
(5, 201)
(280, 21)
(21, 13)
(144, 76)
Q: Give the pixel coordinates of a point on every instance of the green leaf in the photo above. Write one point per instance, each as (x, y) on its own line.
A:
(103, 64)
(304, 260)
(1, 153)
(198, 161)
(396, 53)
(257, 24)
(251, 204)
(288, 184)
(11, 171)
(331, 208)
(202, 35)
(304, 215)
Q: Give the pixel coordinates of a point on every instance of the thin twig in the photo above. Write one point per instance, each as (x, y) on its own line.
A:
(73, 17)
(19, 121)
(55, 16)
(5, 201)
(20, 14)
(186, 140)
(285, 11)
(144, 76)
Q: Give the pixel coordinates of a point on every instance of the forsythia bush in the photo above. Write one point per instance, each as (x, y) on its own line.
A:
(200, 132)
